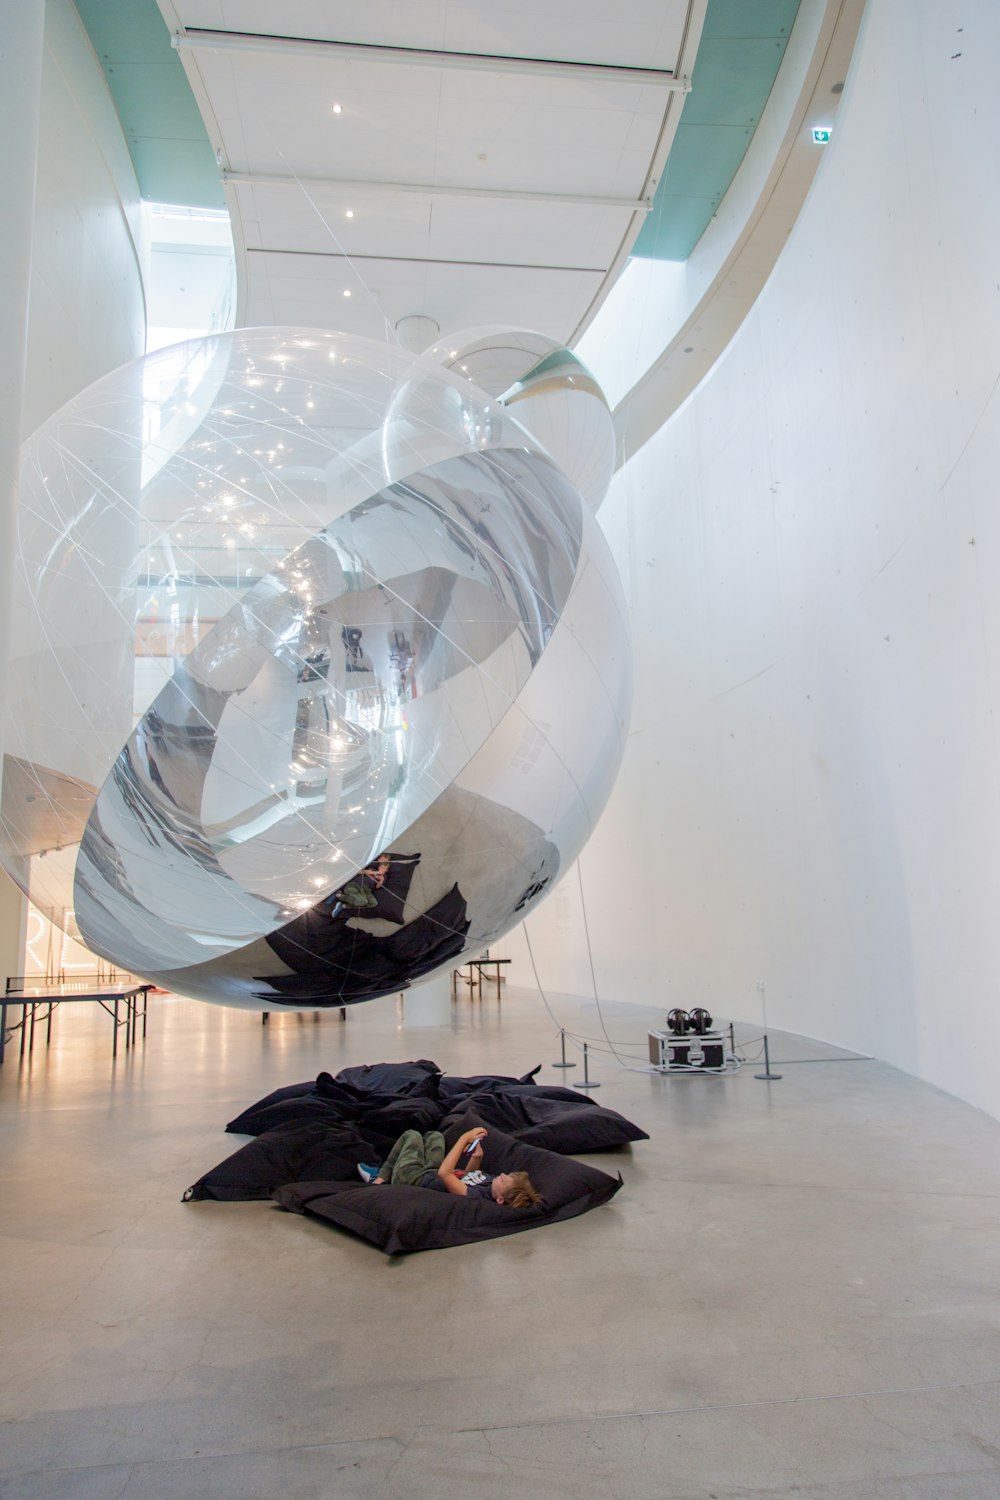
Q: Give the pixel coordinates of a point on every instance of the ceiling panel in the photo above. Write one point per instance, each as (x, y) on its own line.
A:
(647, 30)
(592, 31)
(539, 234)
(425, 125)
(300, 218)
(308, 290)
(308, 217)
(543, 169)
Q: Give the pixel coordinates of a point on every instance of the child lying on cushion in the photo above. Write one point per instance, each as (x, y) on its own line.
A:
(421, 1161)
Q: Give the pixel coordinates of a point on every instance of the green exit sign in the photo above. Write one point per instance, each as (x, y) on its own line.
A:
(821, 137)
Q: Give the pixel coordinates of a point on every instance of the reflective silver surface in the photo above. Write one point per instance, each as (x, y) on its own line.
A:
(550, 392)
(321, 669)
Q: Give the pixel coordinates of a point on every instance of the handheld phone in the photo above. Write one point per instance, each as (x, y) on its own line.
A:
(472, 1146)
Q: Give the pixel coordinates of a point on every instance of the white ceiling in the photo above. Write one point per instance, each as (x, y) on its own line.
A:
(482, 189)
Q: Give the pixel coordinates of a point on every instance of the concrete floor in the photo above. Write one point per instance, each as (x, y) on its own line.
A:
(797, 1293)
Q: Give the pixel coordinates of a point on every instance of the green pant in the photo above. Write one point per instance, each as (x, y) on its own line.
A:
(413, 1156)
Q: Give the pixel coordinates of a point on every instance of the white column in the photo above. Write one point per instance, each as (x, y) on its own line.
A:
(21, 46)
(429, 1002)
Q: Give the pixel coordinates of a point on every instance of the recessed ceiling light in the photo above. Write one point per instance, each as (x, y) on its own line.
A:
(349, 214)
(338, 109)
(347, 291)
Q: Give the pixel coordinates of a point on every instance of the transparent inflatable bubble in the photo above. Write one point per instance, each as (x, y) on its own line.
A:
(320, 670)
(548, 389)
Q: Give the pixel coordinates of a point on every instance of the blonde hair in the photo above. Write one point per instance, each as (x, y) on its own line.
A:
(521, 1192)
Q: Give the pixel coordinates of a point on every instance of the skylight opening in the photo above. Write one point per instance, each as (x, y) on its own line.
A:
(191, 273)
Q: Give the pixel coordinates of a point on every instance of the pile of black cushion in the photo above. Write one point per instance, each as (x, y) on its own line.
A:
(311, 1136)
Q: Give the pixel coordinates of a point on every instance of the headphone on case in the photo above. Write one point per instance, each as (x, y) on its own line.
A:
(698, 1021)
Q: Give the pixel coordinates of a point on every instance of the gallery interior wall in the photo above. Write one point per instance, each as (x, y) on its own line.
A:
(811, 794)
(86, 311)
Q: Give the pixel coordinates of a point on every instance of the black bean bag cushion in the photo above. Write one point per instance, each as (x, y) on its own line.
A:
(352, 1094)
(370, 1087)
(248, 1121)
(283, 1155)
(452, 1087)
(302, 1109)
(563, 1125)
(397, 1079)
(404, 1219)
(550, 1091)
(378, 1127)
(583, 1130)
(384, 1099)
(382, 1127)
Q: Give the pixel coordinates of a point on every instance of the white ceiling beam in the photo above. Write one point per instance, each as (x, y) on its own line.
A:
(355, 257)
(247, 41)
(690, 42)
(427, 190)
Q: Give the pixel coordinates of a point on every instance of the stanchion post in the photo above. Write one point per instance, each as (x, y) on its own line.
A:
(562, 1043)
(587, 1082)
(767, 1075)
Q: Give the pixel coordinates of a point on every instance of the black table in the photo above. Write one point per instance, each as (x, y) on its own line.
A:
(125, 1003)
(471, 973)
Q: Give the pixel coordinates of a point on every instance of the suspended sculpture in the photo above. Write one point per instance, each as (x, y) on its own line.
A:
(320, 672)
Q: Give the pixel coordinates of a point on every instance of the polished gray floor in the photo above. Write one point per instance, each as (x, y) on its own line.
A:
(797, 1293)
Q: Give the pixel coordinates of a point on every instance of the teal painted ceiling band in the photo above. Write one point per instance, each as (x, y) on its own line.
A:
(742, 46)
(171, 153)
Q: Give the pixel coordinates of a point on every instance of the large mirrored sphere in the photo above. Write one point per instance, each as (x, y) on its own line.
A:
(320, 674)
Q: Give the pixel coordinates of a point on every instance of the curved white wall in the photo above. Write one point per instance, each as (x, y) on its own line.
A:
(86, 309)
(811, 546)
(86, 313)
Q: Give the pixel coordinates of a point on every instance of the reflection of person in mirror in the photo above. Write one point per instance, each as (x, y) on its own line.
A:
(359, 892)
(351, 637)
(422, 1161)
(377, 872)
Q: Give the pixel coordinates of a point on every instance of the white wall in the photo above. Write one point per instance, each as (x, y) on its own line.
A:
(21, 50)
(86, 313)
(811, 794)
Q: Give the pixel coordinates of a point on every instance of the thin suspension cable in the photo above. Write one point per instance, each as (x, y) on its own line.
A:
(590, 960)
(391, 335)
